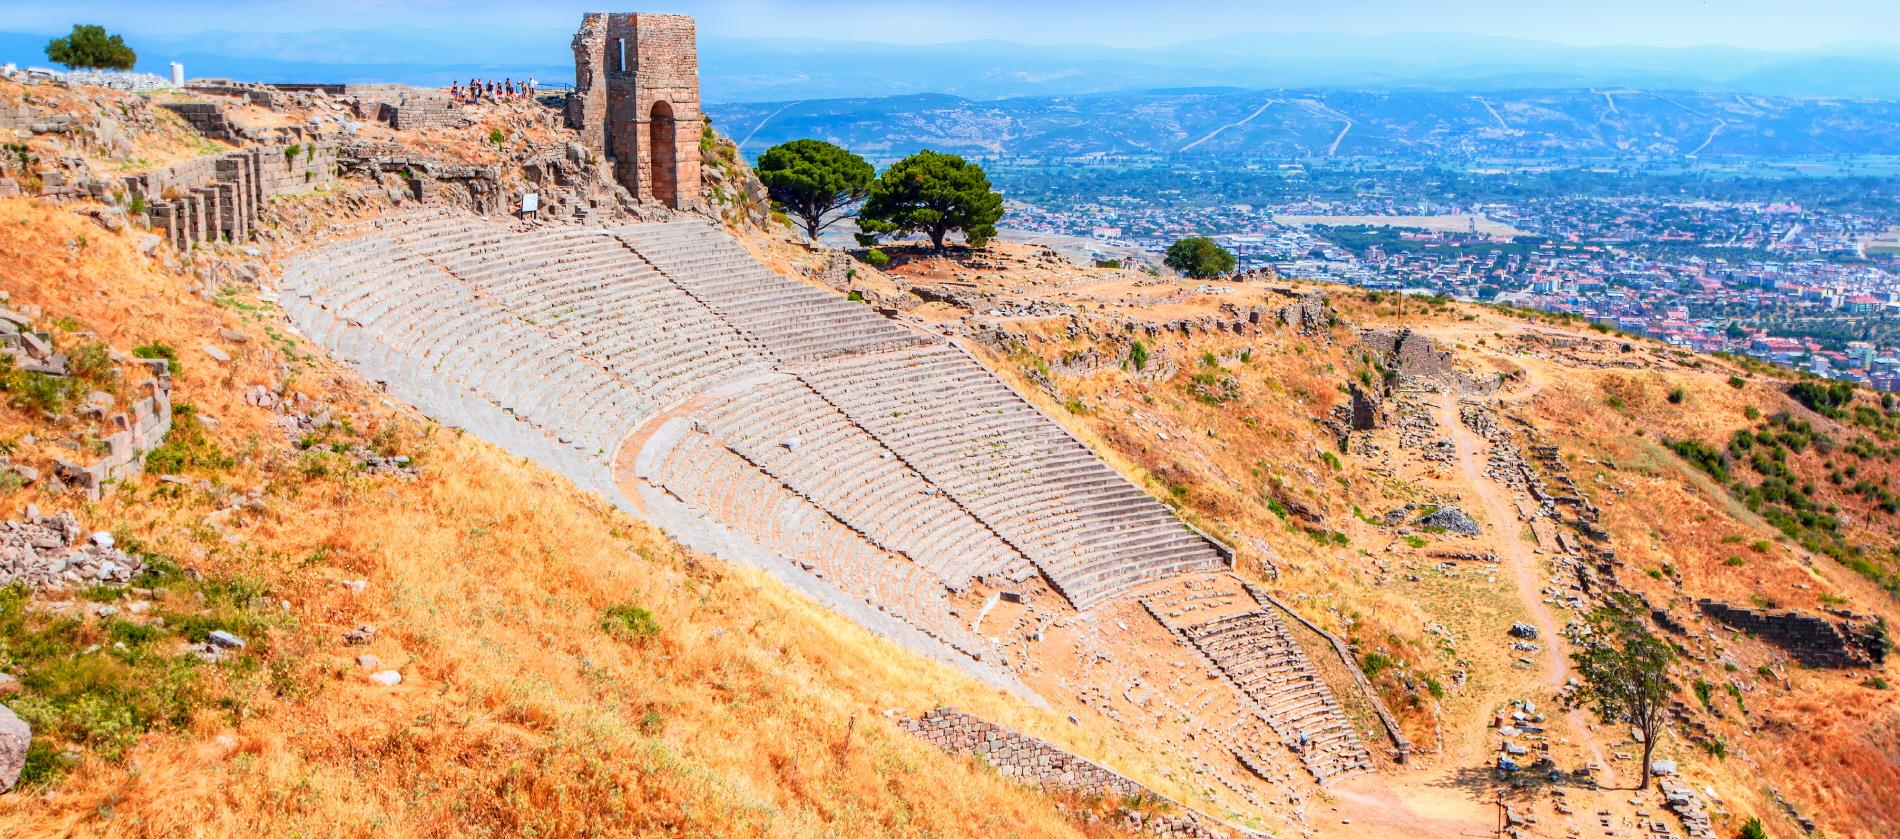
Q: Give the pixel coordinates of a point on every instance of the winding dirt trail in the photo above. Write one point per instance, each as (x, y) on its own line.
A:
(1500, 511)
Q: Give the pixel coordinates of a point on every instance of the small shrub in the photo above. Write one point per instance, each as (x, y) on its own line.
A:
(157, 350)
(1374, 663)
(629, 623)
(36, 391)
(187, 446)
(1717, 747)
(855, 296)
(877, 257)
(93, 362)
(1138, 355)
(1676, 396)
(1752, 829)
(1737, 382)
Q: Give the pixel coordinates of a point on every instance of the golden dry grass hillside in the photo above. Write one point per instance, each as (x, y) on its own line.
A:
(442, 639)
(565, 670)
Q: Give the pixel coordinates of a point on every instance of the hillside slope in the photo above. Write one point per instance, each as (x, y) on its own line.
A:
(327, 613)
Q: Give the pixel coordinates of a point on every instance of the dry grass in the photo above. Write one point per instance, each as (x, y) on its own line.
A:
(752, 712)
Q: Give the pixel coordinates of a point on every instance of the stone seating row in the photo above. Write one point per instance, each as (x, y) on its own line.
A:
(419, 380)
(1093, 533)
(1260, 656)
(576, 336)
(704, 474)
(793, 321)
(785, 428)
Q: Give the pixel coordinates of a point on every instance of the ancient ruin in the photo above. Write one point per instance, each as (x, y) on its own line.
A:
(636, 101)
(1039, 762)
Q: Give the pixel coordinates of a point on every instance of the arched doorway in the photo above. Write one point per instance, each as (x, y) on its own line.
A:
(661, 129)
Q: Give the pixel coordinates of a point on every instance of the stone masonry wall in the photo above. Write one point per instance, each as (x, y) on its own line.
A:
(206, 117)
(1037, 762)
(636, 101)
(1813, 640)
(132, 437)
(213, 198)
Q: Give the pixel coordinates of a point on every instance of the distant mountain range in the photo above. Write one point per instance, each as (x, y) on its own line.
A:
(738, 70)
(1306, 123)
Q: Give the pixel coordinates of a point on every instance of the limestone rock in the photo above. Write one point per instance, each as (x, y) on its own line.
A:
(15, 736)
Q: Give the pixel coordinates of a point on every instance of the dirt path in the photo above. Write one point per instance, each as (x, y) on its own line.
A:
(1524, 569)
(1216, 132)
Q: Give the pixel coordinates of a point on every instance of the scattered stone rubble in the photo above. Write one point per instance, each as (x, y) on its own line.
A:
(45, 552)
(1684, 802)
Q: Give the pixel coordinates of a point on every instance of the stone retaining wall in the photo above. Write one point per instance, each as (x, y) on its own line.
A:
(132, 437)
(415, 112)
(214, 198)
(1037, 762)
(1813, 640)
(206, 117)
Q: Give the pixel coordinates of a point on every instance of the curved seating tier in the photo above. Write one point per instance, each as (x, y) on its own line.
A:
(794, 321)
(1092, 532)
(702, 472)
(1255, 651)
(788, 431)
(557, 343)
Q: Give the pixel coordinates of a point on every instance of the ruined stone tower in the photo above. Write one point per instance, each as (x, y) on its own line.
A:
(636, 101)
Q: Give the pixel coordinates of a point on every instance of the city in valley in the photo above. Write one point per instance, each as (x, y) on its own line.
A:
(1798, 269)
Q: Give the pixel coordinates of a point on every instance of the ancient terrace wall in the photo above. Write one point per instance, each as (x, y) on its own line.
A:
(1813, 640)
(214, 198)
(636, 102)
(1037, 762)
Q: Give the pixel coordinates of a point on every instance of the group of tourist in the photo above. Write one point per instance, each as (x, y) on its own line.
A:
(479, 91)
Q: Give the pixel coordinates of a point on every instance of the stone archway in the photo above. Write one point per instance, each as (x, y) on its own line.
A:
(662, 134)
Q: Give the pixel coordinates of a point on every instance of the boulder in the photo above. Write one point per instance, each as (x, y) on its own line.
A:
(15, 736)
(1452, 519)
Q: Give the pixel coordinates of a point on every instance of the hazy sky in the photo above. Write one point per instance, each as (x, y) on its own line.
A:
(1769, 24)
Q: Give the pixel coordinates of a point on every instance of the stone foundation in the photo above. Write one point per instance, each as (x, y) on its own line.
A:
(219, 198)
(1813, 640)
